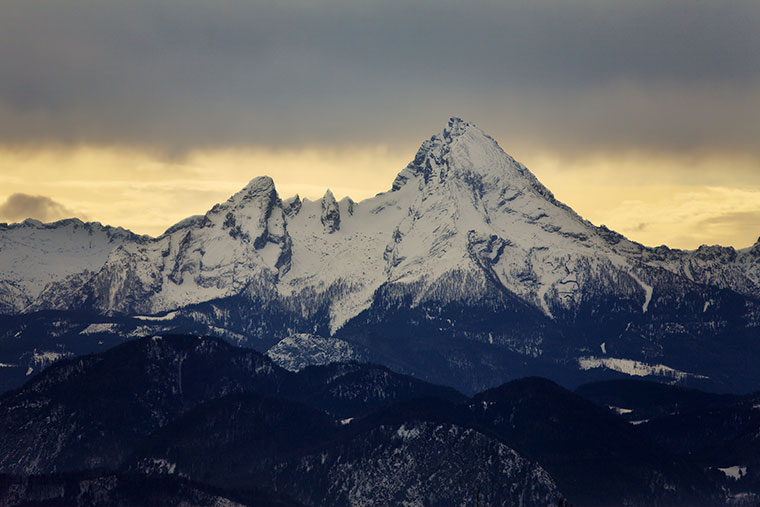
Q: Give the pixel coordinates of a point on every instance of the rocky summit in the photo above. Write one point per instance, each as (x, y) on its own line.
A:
(420, 347)
(467, 272)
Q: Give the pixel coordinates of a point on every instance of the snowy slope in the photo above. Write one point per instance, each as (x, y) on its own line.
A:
(34, 255)
(236, 242)
(461, 216)
(464, 226)
(461, 207)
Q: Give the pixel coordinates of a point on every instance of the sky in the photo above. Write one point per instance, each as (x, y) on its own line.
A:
(641, 115)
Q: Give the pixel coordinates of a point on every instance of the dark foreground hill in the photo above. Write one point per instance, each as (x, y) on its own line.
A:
(202, 422)
(720, 433)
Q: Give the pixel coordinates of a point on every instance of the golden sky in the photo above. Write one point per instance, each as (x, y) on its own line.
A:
(643, 115)
(642, 196)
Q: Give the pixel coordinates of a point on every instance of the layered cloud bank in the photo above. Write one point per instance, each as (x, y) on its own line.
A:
(144, 90)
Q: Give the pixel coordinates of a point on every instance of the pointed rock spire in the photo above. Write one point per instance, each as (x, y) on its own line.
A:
(330, 212)
(292, 206)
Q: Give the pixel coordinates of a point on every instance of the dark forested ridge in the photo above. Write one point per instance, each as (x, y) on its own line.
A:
(188, 420)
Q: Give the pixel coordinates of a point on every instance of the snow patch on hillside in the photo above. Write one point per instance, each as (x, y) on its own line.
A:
(168, 316)
(633, 368)
(36, 255)
(104, 327)
(648, 290)
(298, 351)
(735, 472)
(41, 360)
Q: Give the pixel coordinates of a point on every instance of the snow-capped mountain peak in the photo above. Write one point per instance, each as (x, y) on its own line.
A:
(464, 153)
(251, 214)
(462, 220)
(36, 255)
(465, 229)
(461, 208)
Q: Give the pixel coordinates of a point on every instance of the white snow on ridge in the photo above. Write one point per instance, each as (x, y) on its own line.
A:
(147, 330)
(105, 327)
(633, 368)
(36, 254)
(50, 356)
(461, 207)
(297, 351)
(735, 472)
(168, 316)
(162, 466)
(460, 217)
(41, 360)
(350, 257)
(405, 433)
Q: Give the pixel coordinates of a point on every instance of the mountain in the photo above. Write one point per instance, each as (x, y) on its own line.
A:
(639, 401)
(185, 420)
(596, 458)
(418, 464)
(349, 390)
(178, 419)
(233, 441)
(240, 440)
(97, 408)
(297, 351)
(723, 439)
(467, 272)
(95, 489)
(717, 432)
(51, 262)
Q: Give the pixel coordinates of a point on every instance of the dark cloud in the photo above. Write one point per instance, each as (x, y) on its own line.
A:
(748, 217)
(643, 226)
(741, 223)
(577, 75)
(21, 206)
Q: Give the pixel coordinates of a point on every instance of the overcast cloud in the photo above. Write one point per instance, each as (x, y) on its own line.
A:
(572, 75)
(643, 115)
(20, 206)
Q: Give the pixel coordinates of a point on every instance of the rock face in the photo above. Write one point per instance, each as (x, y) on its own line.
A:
(330, 213)
(296, 352)
(215, 257)
(35, 256)
(466, 272)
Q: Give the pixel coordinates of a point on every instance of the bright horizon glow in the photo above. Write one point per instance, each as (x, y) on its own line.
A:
(641, 195)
